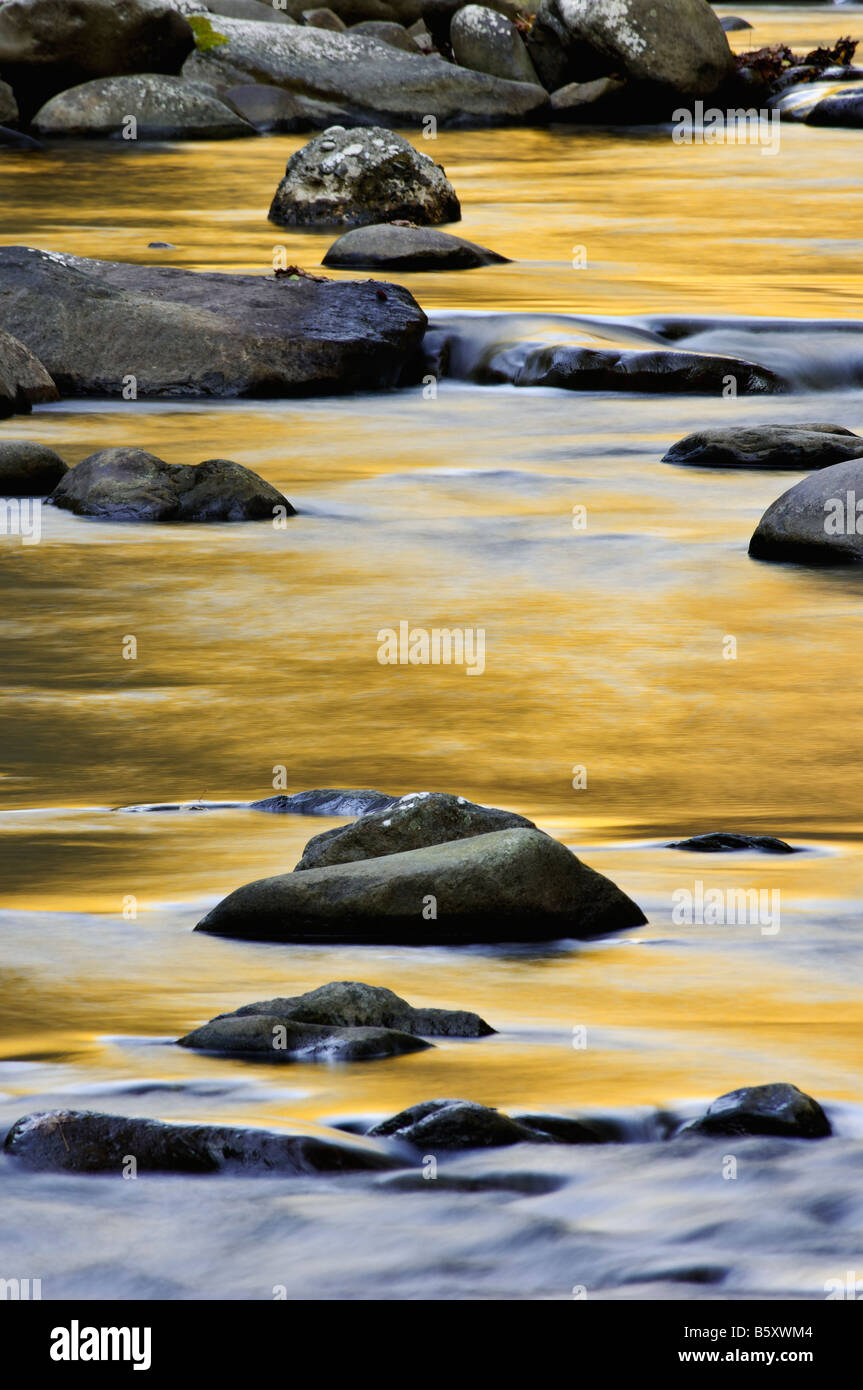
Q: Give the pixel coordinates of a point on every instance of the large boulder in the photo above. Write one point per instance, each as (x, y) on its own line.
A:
(394, 246)
(49, 45)
(486, 41)
(24, 381)
(610, 369)
(509, 885)
(362, 75)
(349, 1005)
(778, 1109)
(28, 469)
(131, 485)
(99, 325)
(85, 1141)
(819, 521)
(274, 1038)
(767, 446)
(356, 177)
(415, 821)
(164, 108)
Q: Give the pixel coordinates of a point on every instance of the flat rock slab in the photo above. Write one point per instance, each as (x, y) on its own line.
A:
(589, 369)
(164, 108)
(806, 446)
(727, 842)
(349, 1004)
(779, 1108)
(274, 1037)
(510, 885)
(180, 333)
(819, 521)
(28, 469)
(391, 246)
(84, 1141)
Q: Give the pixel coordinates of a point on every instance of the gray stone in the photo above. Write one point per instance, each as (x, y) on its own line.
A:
(509, 885)
(165, 108)
(455, 1124)
(8, 105)
(486, 41)
(182, 333)
(131, 485)
(28, 469)
(24, 381)
(348, 1004)
(767, 446)
(396, 246)
(819, 521)
(413, 822)
(729, 842)
(322, 18)
(356, 177)
(328, 801)
(778, 1109)
(259, 11)
(275, 1038)
(655, 370)
(282, 113)
(580, 96)
(386, 32)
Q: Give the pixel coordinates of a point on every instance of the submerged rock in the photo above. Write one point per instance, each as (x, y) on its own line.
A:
(819, 521)
(657, 370)
(455, 1124)
(276, 1038)
(28, 469)
(347, 1005)
(85, 1141)
(767, 446)
(131, 485)
(394, 246)
(413, 822)
(486, 41)
(357, 177)
(510, 885)
(24, 381)
(725, 842)
(329, 801)
(99, 325)
(779, 1109)
(164, 108)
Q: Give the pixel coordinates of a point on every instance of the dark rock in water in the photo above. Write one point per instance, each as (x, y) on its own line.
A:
(98, 325)
(47, 46)
(393, 246)
(160, 246)
(455, 1124)
(779, 1109)
(519, 1184)
(322, 18)
(413, 822)
(276, 1038)
(657, 370)
(14, 140)
(510, 885)
(8, 106)
(85, 1141)
(24, 381)
(839, 109)
(486, 41)
(283, 113)
(732, 23)
(357, 177)
(327, 802)
(184, 806)
(164, 108)
(767, 446)
(385, 31)
(131, 485)
(569, 1129)
(349, 1004)
(819, 521)
(725, 842)
(28, 469)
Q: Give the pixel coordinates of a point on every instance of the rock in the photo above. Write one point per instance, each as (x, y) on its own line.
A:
(365, 77)
(393, 246)
(726, 842)
(819, 521)
(356, 177)
(131, 485)
(587, 369)
(778, 1109)
(47, 46)
(182, 333)
(386, 32)
(161, 246)
(347, 1004)
(274, 1038)
(767, 446)
(488, 42)
(8, 105)
(581, 97)
(85, 1141)
(509, 885)
(24, 382)
(324, 19)
(28, 469)
(327, 802)
(839, 109)
(14, 140)
(282, 113)
(569, 1129)
(259, 11)
(421, 36)
(413, 822)
(165, 108)
(455, 1124)
(732, 22)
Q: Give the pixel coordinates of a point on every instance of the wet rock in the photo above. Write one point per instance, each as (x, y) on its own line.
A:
(47, 46)
(455, 1124)
(767, 446)
(819, 521)
(347, 1004)
(276, 1038)
(840, 109)
(510, 885)
(28, 469)
(413, 822)
(181, 333)
(777, 1109)
(283, 113)
(165, 108)
(8, 106)
(391, 246)
(24, 381)
(519, 1184)
(731, 23)
(587, 98)
(323, 18)
(357, 177)
(570, 1129)
(329, 801)
(85, 1141)
(486, 41)
(657, 370)
(14, 140)
(386, 32)
(727, 842)
(362, 75)
(131, 485)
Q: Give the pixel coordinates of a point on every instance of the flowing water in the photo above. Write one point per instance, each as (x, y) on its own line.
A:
(606, 649)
